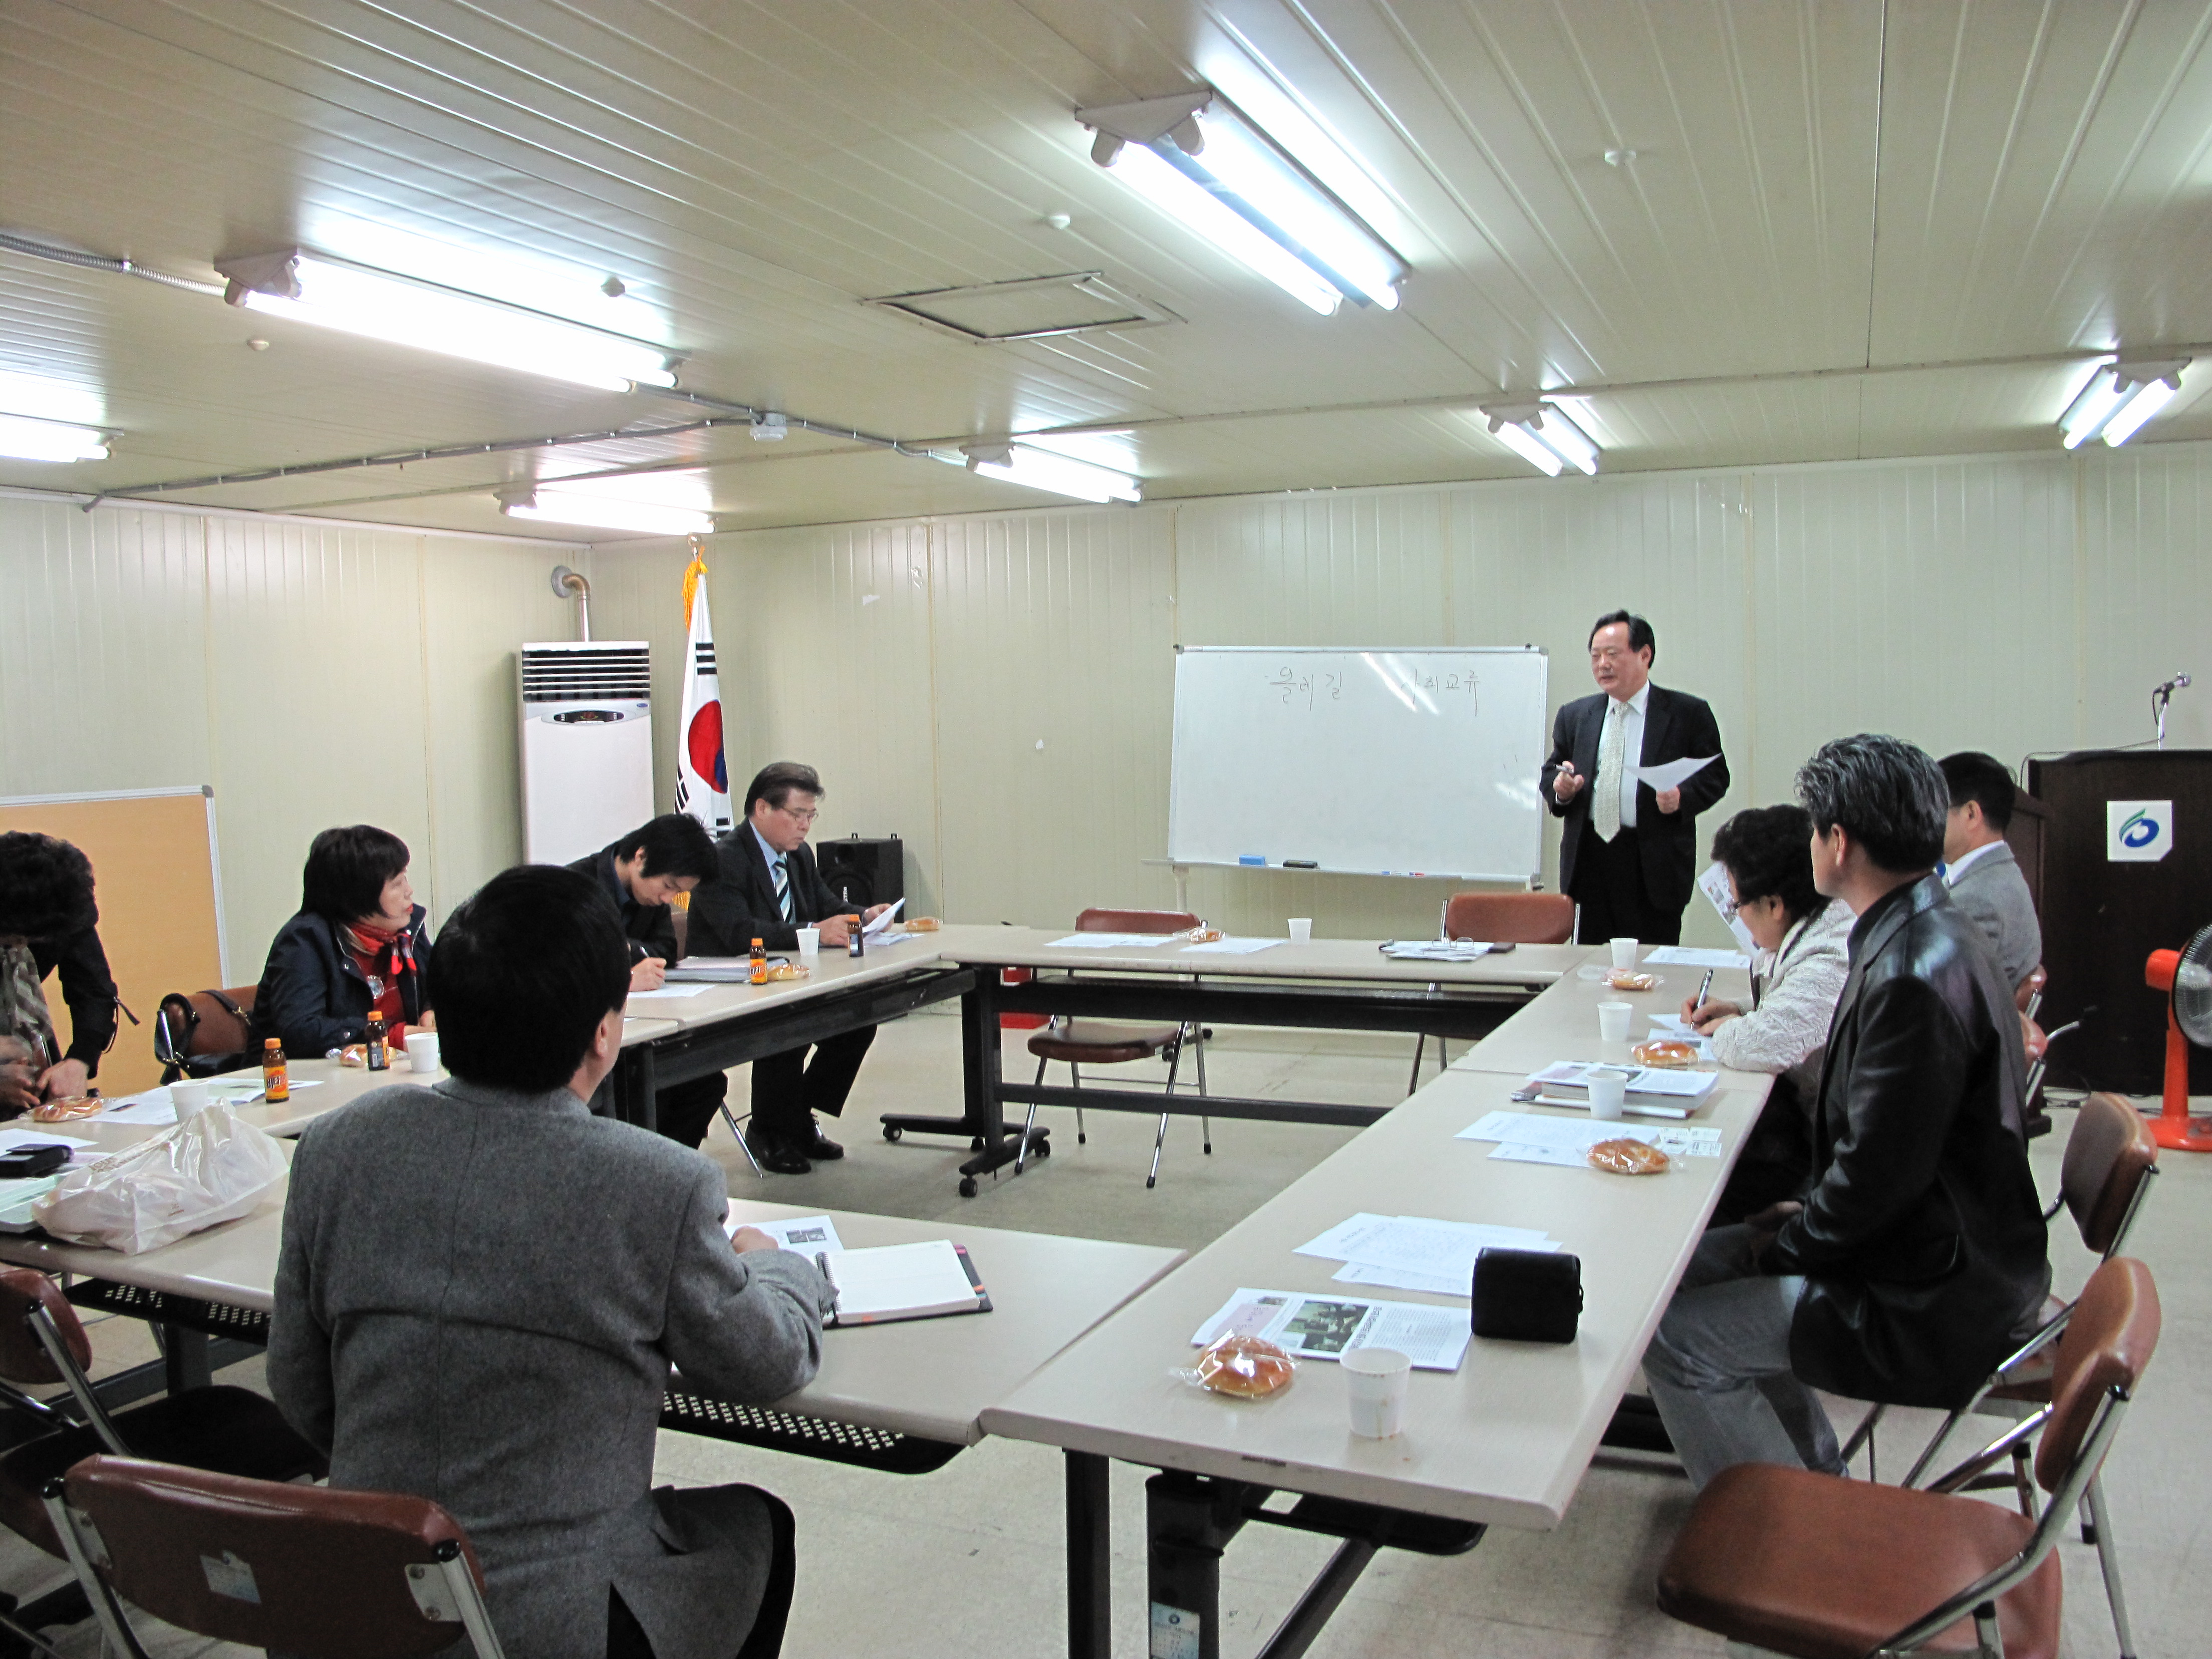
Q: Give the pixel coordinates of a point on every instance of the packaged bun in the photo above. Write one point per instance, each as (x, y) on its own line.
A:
(1667, 1054)
(69, 1106)
(787, 970)
(924, 925)
(1624, 979)
(1244, 1367)
(1626, 1157)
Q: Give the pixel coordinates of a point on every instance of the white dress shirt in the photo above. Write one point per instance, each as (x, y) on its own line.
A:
(1632, 749)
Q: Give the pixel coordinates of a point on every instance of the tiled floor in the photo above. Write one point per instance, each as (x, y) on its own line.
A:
(968, 1561)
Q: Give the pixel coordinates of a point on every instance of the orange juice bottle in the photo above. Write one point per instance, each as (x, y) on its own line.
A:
(760, 964)
(275, 1076)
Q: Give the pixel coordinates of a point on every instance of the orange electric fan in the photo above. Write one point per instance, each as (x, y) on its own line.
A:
(2185, 976)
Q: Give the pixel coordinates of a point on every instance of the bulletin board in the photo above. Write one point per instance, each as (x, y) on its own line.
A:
(159, 888)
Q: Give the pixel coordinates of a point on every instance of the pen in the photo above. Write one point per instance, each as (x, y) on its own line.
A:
(1704, 987)
(822, 1262)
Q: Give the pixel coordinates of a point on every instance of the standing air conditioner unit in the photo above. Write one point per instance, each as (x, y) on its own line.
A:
(586, 745)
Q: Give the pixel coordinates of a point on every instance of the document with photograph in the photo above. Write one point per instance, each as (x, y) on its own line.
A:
(806, 1233)
(1329, 1327)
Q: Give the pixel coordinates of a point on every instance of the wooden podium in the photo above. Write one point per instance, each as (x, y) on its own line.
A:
(2101, 919)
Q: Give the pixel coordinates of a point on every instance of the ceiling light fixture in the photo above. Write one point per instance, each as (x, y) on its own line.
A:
(1058, 475)
(1202, 161)
(544, 505)
(28, 438)
(360, 300)
(2118, 399)
(1542, 435)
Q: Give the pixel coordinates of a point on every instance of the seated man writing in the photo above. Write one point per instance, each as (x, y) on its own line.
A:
(1984, 877)
(482, 1288)
(767, 888)
(1919, 1251)
(1796, 978)
(642, 873)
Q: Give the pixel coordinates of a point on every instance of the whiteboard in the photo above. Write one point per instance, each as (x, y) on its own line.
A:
(1393, 763)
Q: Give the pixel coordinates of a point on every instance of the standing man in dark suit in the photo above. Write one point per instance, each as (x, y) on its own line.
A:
(1628, 855)
(767, 888)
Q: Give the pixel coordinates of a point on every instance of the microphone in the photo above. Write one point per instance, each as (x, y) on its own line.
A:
(2179, 683)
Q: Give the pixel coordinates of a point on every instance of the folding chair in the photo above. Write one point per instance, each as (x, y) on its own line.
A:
(205, 1033)
(1499, 919)
(290, 1568)
(1088, 1042)
(1822, 1567)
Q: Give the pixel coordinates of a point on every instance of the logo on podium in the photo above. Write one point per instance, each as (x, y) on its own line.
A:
(2138, 832)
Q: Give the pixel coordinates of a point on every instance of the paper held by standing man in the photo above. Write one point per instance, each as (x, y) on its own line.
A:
(1673, 774)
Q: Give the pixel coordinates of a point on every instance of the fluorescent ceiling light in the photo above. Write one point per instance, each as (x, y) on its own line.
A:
(655, 504)
(25, 438)
(1201, 160)
(375, 304)
(1058, 475)
(1542, 435)
(2118, 399)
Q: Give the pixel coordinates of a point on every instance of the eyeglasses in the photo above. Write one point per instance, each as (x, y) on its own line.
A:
(800, 816)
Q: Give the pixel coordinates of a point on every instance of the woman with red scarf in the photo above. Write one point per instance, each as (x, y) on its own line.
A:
(359, 942)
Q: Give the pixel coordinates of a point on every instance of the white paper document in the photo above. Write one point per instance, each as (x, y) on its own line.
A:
(1691, 956)
(1234, 947)
(1673, 1028)
(883, 921)
(1436, 950)
(1654, 1083)
(901, 1281)
(1522, 1135)
(11, 1139)
(1328, 1327)
(805, 1234)
(1401, 1278)
(665, 994)
(1110, 941)
(1714, 884)
(1673, 774)
(1414, 1253)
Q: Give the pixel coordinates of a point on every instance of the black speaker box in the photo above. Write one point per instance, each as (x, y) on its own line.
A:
(864, 870)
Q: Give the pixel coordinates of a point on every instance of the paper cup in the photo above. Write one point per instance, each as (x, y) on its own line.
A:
(1613, 1021)
(1301, 930)
(422, 1051)
(1375, 1383)
(1623, 953)
(810, 942)
(190, 1099)
(1608, 1091)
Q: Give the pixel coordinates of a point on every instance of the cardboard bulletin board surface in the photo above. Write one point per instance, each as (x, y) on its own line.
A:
(153, 866)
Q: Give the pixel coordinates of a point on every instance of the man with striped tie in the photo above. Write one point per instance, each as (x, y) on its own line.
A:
(767, 887)
(1628, 851)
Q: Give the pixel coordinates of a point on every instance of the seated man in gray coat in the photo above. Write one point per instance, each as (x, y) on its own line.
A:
(1984, 877)
(483, 1287)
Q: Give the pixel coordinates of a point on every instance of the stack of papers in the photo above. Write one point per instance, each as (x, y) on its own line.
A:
(1234, 947)
(1110, 941)
(1685, 955)
(1652, 1091)
(1329, 1327)
(1673, 1028)
(669, 992)
(1435, 949)
(901, 1281)
(1524, 1138)
(1413, 1253)
(806, 1233)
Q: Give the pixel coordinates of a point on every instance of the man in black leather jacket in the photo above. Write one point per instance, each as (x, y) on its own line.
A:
(1919, 1251)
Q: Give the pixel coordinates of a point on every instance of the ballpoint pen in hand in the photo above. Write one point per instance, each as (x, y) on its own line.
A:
(1704, 988)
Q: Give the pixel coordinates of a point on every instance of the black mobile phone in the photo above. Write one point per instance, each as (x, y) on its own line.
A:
(1501, 948)
(25, 1162)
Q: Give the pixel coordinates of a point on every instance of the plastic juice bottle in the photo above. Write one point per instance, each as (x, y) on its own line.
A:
(378, 1046)
(760, 964)
(276, 1076)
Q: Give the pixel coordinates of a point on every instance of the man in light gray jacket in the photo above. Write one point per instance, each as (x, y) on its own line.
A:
(483, 1287)
(1984, 877)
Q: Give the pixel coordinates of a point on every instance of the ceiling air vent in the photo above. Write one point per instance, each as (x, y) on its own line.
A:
(1029, 309)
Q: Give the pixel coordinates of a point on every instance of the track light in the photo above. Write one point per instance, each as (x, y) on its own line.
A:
(578, 505)
(1058, 475)
(26, 438)
(1542, 435)
(2118, 399)
(360, 300)
(1200, 159)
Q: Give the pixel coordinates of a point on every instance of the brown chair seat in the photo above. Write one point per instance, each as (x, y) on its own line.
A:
(1829, 1569)
(1090, 1042)
(220, 1429)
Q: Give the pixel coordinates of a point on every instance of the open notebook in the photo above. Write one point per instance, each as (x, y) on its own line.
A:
(901, 1281)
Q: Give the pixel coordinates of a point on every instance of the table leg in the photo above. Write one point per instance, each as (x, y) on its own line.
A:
(1188, 1523)
(628, 1090)
(1089, 1558)
(185, 1359)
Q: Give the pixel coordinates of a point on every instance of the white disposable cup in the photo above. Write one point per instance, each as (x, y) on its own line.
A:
(1623, 953)
(1375, 1383)
(1301, 930)
(810, 941)
(1608, 1091)
(1612, 1018)
(190, 1099)
(423, 1050)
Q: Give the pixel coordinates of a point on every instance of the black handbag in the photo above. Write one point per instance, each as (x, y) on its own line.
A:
(1526, 1296)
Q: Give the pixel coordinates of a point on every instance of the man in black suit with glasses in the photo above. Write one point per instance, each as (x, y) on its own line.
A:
(768, 887)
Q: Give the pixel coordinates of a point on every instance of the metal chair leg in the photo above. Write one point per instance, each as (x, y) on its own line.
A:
(1864, 1436)
(1022, 1152)
(1075, 1081)
(1413, 1082)
(743, 1145)
(1198, 1052)
(1174, 1065)
(2108, 1558)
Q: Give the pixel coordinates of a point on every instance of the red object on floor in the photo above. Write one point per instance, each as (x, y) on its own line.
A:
(1020, 1022)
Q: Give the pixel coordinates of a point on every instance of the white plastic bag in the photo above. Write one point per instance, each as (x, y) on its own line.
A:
(209, 1169)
